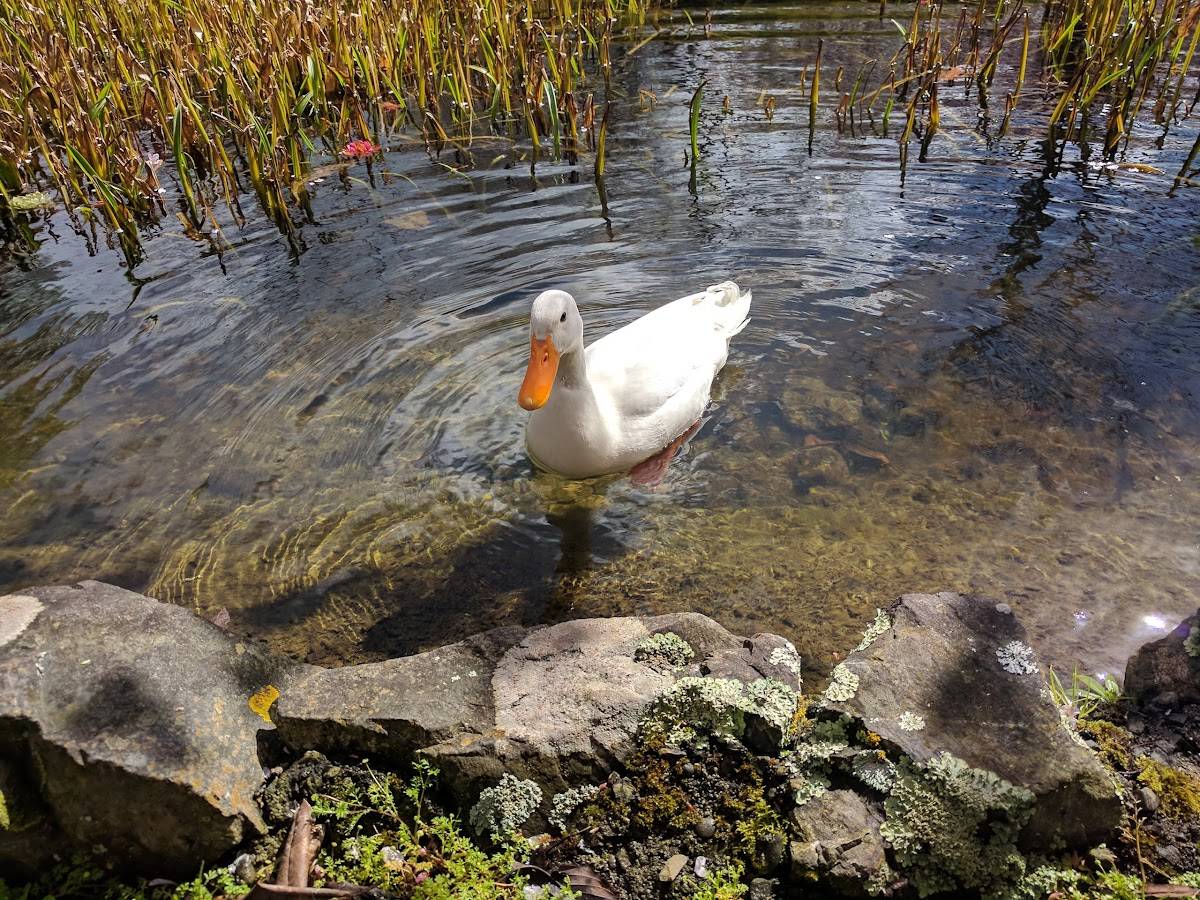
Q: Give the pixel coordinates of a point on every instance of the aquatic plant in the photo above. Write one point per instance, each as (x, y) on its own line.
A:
(1084, 695)
(243, 94)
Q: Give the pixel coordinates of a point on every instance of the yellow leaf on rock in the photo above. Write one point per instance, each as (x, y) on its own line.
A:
(260, 701)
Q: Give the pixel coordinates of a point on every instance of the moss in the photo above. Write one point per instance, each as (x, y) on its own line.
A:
(724, 883)
(1178, 791)
(843, 685)
(662, 805)
(1113, 742)
(505, 807)
(953, 827)
(5, 822)
(665, 650)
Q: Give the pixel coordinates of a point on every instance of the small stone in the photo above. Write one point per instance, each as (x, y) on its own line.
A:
(761, 889)
(689, 769)
(706, 827)
(243, 869)
(624, 791)
(774, 851)
(1004, 608)
(673, 866)
(1149, 800)
(1135, 724)
(701, 867)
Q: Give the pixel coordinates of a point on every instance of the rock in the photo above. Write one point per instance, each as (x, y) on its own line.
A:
(1150, 800)
(558, 705)
(808, 404)
(242, 868)
(761, 889)
(761, 656)
(1167, 671)
(838, 842)
(952, 674)
(672, 867)
(137, 716)
(706, 827)
(821, 465)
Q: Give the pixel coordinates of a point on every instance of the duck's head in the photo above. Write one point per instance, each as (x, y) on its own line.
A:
(555, 328)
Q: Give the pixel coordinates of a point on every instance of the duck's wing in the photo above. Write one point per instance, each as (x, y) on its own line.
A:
(662, 365)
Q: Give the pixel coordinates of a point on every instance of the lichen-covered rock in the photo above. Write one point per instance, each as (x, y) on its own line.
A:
(760, 712)
(838, 844)
(934, 682)
(138, 718)
(1169, 667)
(955, 828)
(665, 650)
(505, 807)
(760, 656)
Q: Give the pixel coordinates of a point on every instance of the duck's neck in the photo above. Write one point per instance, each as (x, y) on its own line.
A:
(572, 370)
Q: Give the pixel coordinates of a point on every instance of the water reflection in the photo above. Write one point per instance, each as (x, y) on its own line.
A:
(983, 378)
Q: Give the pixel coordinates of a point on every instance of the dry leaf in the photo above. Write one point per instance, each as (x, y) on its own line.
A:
(300, 849)
(410, 221)
(868, 453)
(585, 880)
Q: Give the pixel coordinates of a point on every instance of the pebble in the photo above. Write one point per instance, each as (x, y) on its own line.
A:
(1149, 799)
(672, 867)
(761, 889)
(701, 867)
(774, 849)
(243, 869)
(706, 827)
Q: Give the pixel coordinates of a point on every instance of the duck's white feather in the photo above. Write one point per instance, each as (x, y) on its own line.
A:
(645, 385)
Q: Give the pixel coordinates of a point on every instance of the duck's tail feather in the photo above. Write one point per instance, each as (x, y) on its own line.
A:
(733, 307)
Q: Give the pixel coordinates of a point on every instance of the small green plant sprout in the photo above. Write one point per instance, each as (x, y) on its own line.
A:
(724, 883)
(694, 121)
(1084, 695)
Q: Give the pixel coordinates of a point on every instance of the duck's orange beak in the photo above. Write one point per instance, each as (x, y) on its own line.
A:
(539, 377)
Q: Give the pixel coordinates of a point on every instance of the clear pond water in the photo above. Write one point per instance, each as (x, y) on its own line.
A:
(985, 377)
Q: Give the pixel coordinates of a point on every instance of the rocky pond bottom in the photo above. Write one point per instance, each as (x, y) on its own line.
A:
(625, 757)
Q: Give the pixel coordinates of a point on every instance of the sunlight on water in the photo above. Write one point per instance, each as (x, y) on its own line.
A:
(985, 379)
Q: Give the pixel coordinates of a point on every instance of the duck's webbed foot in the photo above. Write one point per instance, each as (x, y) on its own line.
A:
(651, 471)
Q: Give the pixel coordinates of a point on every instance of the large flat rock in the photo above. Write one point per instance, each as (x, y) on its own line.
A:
(946, 676)
(137, 719)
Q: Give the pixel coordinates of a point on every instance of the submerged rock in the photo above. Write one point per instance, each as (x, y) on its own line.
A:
(952, 677)
(139, 720)
(1169, 668)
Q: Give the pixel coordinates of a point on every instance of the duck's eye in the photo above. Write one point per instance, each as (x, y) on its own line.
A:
(563, 317)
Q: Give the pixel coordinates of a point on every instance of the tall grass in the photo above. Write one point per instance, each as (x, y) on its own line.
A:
(95, 93)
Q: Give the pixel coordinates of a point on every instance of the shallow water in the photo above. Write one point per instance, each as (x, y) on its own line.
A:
(985, 377)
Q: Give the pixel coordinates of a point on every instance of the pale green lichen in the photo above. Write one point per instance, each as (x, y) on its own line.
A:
(953, 827)
(881, 624)
(504, 808)
(843, 685)
(1191, 644)
(787, 658)
(810, 789)
(694, 707)
(1016, 658)
(874, 769)
(1046, 881)
(565, 803)
(910, 721)
(664, 650)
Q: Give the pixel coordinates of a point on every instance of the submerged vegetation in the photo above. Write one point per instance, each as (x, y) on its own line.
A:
(97, 97)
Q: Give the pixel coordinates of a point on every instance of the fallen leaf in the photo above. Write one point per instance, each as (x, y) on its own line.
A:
(868, 453)
(286, 892)
(1145, 170)
(300, 849)
(811, 440)
(585, 880)
(260, 702)
(1171, 890)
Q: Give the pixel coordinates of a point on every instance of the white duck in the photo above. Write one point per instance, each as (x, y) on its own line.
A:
(633, 393)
